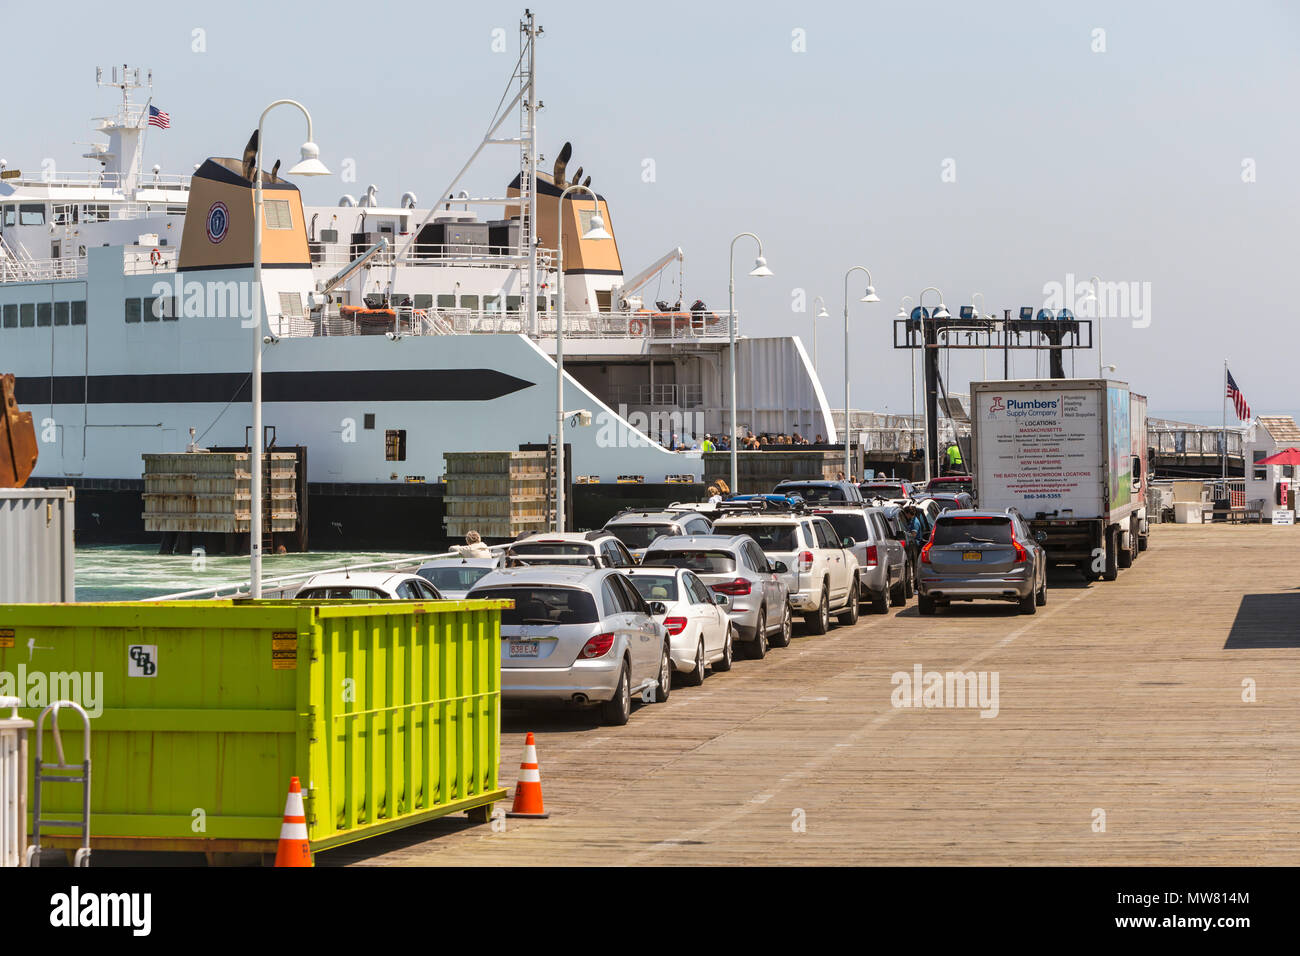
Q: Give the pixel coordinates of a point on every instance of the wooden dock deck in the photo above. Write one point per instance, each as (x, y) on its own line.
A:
(1123, 697)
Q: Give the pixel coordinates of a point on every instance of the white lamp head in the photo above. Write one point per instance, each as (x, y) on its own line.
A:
(760, 268)
(310, 165)
(822, 313)
(597, 229)
(943, 312)
(870, 295)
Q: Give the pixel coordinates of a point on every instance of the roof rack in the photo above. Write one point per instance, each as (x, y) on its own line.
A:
(789, 504)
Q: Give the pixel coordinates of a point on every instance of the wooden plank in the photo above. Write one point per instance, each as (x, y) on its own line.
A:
(1123, 697)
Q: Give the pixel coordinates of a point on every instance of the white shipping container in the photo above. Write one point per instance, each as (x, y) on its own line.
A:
(37, 559)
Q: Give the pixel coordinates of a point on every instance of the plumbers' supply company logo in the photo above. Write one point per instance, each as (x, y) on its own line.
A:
(1026, 408)
(218, 222)
(997, 406)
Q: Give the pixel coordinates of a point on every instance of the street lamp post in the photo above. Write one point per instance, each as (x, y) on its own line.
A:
(869, 296)
(308, 165)
(596, 230)
(984, 354)
(762, 271)
(1094, 296)
(903, 313)
(818, 313)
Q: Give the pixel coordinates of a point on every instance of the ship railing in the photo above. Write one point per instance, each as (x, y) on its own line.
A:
(410, 320)
(100, 180)
(40, 270)
(138, 261)
(286, 585)
(336, 255)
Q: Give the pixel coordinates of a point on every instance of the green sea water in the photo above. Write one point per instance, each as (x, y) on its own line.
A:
(137, 572)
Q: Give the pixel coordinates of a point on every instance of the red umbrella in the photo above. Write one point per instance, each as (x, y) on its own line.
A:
(1287, 456)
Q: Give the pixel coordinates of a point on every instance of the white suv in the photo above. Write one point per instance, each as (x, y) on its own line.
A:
(823, 573)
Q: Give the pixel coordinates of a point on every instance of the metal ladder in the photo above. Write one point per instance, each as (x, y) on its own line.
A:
(551, 523)
(82, 857)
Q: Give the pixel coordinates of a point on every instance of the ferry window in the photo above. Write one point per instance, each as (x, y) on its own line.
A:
(26, 315)
(94, 213)
(11, 215)
(65, 214)
(446, 302)
(395, 444)
(11, 316)
(423, 300)
(133, 310)
(151, 308)
(368, 421)
(161, 307)
(78, 312)
(61, 313)
(541, 303)
(277, 215)
(513, 302)
(44, 314)
(469, 302)
(603, 300)
(492, 303)
(175, 210)
(31, 214)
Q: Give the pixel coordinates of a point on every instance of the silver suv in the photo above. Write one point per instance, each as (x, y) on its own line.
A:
(636, 529)
(580, 636)
(986, 555)
(822, 574)
(598, 549)
(884, 573)
(732, 564)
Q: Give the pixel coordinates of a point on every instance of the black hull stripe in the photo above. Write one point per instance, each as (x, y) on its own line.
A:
(387, 385)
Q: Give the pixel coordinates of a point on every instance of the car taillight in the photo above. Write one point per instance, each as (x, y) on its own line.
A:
(871, 554)
(1021, 553)
(738, 586)
(805, 560)
(675, 625)
(597, 646)
(925, 553)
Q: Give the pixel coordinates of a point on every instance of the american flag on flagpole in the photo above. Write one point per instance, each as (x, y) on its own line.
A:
(158, 118)
(1238, 400)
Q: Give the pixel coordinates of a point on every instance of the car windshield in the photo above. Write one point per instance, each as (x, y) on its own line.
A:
(814, 494)
(542, 605)
(638, 535)
(701, 562)
(770, 537)
(453, 577)
(578, 548)
(948, 484)
(343, 594)
(656, 587)
(848, 525)
(991, 530)
(890, 489)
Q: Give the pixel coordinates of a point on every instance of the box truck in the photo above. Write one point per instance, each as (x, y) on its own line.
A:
(1070, 456)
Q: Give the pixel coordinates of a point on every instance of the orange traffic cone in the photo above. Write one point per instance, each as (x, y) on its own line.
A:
(528, 788)
(293, 849)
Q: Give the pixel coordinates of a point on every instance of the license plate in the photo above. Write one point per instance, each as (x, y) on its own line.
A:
(523, 648)
(971, 556)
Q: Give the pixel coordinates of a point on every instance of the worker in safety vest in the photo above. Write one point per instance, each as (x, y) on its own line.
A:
(954, 459)
(707, 444)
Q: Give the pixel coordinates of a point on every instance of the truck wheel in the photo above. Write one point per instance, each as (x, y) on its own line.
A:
(1124, 556)
(1144, 542)
(1112, 555)
(850, 613)
(1085, 568)
(925, 605)
(820, 622)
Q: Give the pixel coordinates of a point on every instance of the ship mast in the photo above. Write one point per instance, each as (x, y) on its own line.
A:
(122, 155)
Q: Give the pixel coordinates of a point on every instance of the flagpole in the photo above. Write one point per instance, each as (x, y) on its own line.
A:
(1225, 426)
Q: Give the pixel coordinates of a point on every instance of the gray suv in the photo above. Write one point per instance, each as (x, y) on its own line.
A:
(733, 564)
(982, 555)
(885, 574)
(579, 636)
(636, 529)
(597, 549)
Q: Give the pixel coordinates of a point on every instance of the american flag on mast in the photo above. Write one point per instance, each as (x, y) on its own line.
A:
(1239, 402)
(158, 118)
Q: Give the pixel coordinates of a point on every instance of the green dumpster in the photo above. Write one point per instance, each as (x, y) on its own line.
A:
(389, 713)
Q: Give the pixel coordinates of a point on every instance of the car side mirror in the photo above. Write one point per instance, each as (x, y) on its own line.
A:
(778, 567)
(658, 607)
(721, 600)
(848, 542)
(1040, 536)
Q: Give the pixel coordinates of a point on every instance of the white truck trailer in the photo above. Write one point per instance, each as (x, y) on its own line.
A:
(1070, 456)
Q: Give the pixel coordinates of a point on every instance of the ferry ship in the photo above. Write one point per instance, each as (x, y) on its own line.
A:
(393, 333)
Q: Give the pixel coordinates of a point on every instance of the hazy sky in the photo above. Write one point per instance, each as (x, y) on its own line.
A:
(987, 147)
